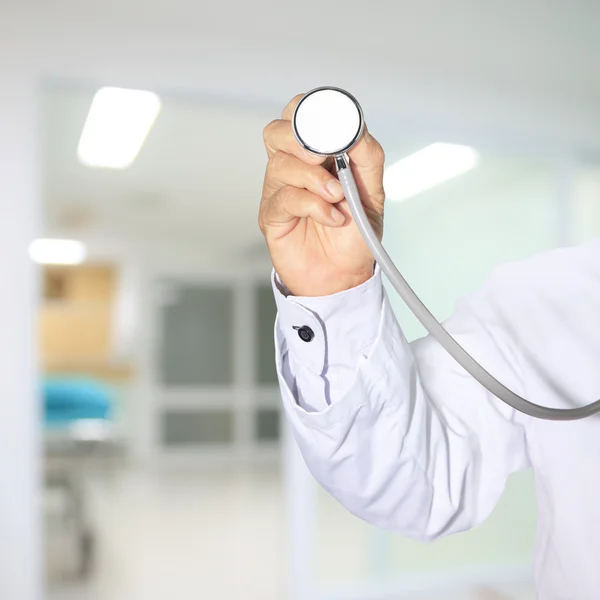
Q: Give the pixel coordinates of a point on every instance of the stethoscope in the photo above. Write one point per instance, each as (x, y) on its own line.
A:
(329, 121)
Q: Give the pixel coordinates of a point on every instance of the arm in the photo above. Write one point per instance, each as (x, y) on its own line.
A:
(398, 432)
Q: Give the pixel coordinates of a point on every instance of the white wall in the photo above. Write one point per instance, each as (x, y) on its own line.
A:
(452, 66)
(125, 321)
(20, 577)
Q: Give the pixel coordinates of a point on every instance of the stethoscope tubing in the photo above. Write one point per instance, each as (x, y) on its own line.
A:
(414, 303)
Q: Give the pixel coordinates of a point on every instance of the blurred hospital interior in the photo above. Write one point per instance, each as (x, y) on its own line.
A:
(143, 453)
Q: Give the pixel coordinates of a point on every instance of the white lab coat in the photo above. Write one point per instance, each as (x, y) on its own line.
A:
(404, 438)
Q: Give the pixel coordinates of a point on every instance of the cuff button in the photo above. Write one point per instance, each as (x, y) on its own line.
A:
(305, 333)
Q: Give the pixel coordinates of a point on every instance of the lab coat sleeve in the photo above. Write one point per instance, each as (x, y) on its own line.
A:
(399, 433)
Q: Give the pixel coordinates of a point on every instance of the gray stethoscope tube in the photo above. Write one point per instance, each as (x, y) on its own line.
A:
(320, 110)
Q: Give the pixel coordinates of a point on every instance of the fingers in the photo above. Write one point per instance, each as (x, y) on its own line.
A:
(288, 111)
(367, 160)
(367, 152)
(291, 204)
(279, 137)
(287, 170)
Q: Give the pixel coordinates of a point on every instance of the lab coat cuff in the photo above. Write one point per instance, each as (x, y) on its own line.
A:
(370, 371)
(344, 325)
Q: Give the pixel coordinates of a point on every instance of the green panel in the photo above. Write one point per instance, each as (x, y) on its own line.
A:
(197, 337)
(196, 428)
(585, 206)
(265, 348)
(446, 241)
(268, 424)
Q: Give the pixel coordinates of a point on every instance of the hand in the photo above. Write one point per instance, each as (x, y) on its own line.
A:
(314, 243)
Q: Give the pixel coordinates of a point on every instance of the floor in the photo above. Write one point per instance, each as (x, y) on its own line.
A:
(199, 534)
(185, 535)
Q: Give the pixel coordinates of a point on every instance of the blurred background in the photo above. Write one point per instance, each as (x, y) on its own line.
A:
(142, 454)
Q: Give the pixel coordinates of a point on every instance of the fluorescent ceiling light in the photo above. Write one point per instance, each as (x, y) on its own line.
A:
(57, 252)
(427, 168)
(116, 127)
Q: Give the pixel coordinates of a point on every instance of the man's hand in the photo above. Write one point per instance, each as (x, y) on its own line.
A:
(314, 244)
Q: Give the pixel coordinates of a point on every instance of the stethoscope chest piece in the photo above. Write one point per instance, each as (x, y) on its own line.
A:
(328, 121)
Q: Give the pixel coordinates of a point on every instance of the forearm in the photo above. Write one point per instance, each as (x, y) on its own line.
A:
(396, 432)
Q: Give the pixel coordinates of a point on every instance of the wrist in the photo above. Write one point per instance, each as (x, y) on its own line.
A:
(328, 287)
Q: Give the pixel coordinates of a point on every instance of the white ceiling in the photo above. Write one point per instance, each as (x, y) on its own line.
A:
(198, 174)
(197, 181)
(526, 67)
(512, 72)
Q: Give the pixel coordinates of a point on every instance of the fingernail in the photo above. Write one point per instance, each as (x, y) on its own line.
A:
(337, 216)
(334, 188)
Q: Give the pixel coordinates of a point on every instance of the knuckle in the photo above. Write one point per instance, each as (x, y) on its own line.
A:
(317, 175)
(291, 105)
(261, 223)
(268, 131)
(277, 162)
(286, 195)
(378, 152)
(267, 207)
(375, 149)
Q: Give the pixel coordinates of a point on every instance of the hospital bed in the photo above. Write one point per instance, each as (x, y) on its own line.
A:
(81, 436)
